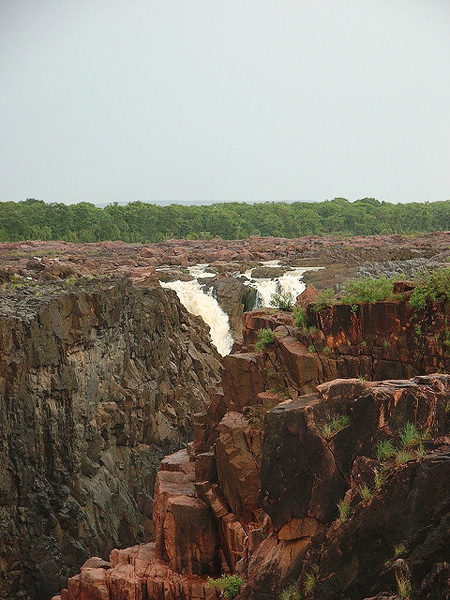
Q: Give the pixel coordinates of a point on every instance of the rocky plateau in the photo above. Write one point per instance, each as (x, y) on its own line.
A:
(105, 381)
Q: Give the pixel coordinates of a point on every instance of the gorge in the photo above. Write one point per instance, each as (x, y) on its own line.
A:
(104, 376)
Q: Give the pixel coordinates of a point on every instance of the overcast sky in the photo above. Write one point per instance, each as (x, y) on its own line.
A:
(200, 100)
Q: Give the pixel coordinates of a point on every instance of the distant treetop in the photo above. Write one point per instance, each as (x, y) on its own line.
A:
(141, 222)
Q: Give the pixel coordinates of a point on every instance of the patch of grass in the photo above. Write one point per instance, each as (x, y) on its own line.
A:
(229, 584)
(380, 478)
(386, 344)
(336, 423)
(420, 451)
(291, 593)
(365, 492)
(311, 581)
(344, 510)
(418, 330)
(404, 585)
(410, 436)
(399, 549)
(385, 450)
(265, 337)
(70, 281)
(364, 344)
(402, 457)
(311, 348)
(327, 350)
(300, 317)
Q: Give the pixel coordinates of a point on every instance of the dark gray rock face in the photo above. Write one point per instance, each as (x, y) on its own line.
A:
(234, 298)
(97, 384)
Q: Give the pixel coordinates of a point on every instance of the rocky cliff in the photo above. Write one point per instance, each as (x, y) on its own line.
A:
(99, 379)
(303, 488)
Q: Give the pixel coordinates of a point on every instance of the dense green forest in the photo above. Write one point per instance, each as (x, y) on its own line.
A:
(141, 222)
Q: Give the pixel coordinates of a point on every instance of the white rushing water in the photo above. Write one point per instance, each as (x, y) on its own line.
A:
(290, 283)
(199, 302)
(202, 304)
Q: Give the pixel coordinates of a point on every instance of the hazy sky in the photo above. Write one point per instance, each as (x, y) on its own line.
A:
(195, 100)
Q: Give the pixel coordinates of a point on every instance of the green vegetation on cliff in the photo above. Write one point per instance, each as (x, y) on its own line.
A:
(141, 222)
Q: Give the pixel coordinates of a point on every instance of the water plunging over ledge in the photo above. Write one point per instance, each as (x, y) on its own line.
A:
(201, 302)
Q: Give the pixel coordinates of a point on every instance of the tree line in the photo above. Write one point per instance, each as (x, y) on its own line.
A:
(141, 222)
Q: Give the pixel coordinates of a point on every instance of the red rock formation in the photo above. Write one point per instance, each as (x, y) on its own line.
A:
(208, 518)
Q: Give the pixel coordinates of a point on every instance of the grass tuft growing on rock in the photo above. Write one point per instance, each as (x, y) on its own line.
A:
(404, 586)
(311, 580)
(410, 436)
(402, 457)
(344, 510)
(385, 450)
(365, 492)
(337, 423)
(291, 593)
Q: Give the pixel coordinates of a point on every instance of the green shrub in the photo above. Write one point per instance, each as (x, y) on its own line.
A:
(265, 337)
(70, 281)
(324, 299)
(230, 584)
(311, 348)
(299, 316)
(430, 287)
(282, 301)
(368, 289)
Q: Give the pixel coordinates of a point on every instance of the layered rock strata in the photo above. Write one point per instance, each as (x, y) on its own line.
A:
(98, 381)
(257, 492)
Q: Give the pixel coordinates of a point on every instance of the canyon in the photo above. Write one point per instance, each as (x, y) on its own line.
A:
(134, 451)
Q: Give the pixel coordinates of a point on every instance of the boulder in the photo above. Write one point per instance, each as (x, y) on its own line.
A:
(307, 297)
(190, 537)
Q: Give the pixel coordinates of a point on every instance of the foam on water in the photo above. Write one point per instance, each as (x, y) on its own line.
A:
(202, 304)
(199, 302)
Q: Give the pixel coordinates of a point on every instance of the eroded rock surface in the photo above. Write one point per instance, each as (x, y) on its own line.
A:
(98, 381)
(307, 443)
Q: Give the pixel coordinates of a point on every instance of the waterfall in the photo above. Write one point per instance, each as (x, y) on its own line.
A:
(198, 303)
(291, 283)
